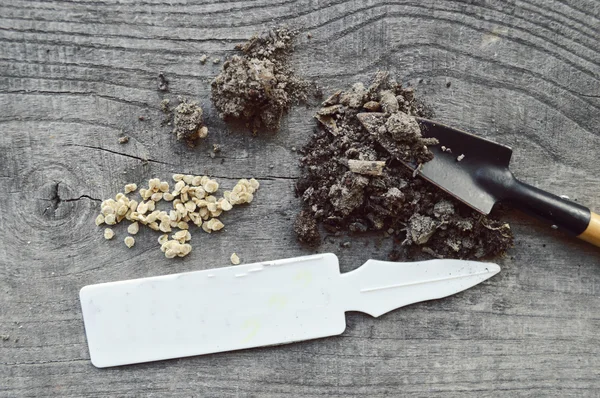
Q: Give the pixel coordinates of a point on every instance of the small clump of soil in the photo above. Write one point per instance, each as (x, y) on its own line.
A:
(353, 179)
(306, 229)
(163, 82)
(259, 86)
(188, 123)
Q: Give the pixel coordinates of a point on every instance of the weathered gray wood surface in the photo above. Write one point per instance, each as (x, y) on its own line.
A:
(74, 75)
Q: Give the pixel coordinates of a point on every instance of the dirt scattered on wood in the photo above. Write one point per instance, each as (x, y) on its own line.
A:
(258, 86)
(186, 118)
(345, 189)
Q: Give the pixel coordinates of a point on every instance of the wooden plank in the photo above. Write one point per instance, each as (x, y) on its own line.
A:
(74, 76)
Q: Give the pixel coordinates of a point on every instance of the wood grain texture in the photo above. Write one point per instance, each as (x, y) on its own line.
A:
(76, 74)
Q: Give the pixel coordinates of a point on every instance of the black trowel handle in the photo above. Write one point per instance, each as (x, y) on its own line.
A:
(569, 216)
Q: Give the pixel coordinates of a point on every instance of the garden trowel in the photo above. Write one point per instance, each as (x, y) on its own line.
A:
(476, 171)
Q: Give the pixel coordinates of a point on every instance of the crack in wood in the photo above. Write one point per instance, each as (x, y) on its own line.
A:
(146, 160)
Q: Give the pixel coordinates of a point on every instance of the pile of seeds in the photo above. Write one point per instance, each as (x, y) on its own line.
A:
(192, 200)
(352, 180)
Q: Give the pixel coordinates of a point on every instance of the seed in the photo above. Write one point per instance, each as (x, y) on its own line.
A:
(224, 204)
(119, 196)
(157, 196)
(186, 248)
(130, 188)
(122, 210)
(100, 219)
(173, 216)
(180, 235)
(154, 225)
(133, 228)
(200, 192)
(212, 207)
(216, 213)
(151, 205)
(153, 184)
(179, 186)
(177, 177)
(206, 228)
(152, 217)
(203, 212)
(164, 186)
(183, 225)
(168, 196)
(190, 206)
(196, 181)
(129, 241)
(184, 197)
(203, 132)
(162, 239)
(235, 260)
(210, 186)
(142, 208)
(170, 253)
(165, 227)
(110, 219)
(188, 178)
(211, 199)
(108, 233)
(188, 236)
(254, 183)
(106, 210)
(215, 224)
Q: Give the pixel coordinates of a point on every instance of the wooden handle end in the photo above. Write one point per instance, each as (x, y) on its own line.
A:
(592, 232)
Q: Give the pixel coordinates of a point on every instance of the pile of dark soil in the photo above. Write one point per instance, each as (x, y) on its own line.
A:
(351, 183)
(187, 120)
(258, 86)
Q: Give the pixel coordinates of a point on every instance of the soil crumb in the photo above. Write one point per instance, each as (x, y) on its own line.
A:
(306, 229)
(353, 181)
(258, 87)
(163, 83)
(187, 120)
